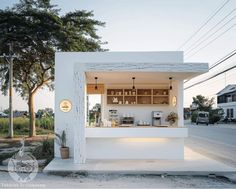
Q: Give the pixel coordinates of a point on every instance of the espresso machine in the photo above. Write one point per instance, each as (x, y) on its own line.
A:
(156, 118)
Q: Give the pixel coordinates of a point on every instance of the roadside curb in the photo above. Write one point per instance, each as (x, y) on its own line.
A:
(231, 177)
(137, 172)
(3, 168)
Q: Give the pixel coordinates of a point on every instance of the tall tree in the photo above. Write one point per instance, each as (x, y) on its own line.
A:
(203, 103)
(37, 30)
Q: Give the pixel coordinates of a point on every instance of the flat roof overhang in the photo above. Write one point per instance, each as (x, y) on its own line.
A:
(118, 73)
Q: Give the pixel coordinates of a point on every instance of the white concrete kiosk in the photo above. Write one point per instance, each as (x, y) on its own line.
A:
(75, 73)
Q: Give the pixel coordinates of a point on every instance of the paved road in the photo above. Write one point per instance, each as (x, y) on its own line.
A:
(114, 181)
(215, 141)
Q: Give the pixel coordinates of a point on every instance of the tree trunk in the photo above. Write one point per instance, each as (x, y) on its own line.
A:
(32, 130)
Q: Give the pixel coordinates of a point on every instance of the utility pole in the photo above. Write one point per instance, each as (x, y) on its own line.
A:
(9, 58)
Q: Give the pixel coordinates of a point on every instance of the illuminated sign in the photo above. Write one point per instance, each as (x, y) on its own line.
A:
(65, 105)
(174, 101)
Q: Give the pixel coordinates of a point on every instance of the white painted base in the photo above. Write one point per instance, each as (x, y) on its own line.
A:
(135, 148)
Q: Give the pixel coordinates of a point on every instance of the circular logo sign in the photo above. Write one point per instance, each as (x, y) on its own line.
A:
(22, 166)
(65, 105)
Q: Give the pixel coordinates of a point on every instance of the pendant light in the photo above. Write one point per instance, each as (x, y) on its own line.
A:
(133, 88)
(170, 78)
(96, 83)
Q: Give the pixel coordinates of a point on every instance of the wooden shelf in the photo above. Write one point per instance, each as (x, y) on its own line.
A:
(144, 95)
(115, 95)
(160, 95)
(138, 97)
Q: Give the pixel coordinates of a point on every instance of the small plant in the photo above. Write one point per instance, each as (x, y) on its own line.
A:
(61, 141)
(172, 118)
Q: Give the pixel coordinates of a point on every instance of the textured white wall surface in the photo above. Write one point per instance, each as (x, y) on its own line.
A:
(70, 83)
(135, 148)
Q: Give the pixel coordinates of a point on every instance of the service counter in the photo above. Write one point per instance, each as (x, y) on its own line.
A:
(137, 142)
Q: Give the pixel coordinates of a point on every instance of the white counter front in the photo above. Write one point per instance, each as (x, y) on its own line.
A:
(136, 132)
(135, 143)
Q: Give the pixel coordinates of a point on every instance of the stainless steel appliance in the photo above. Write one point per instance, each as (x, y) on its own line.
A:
(156, 118)
(127, 121)
(114, 117)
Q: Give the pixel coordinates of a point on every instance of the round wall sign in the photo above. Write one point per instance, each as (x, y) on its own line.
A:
(174, 101)
(65, 105)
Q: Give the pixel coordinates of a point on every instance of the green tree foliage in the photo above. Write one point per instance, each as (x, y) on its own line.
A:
(95, 113)
(203, 103)
(37, 30)
(45, 113)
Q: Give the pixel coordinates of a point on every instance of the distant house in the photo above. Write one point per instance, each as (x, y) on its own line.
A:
(226, 99)
(18, 113)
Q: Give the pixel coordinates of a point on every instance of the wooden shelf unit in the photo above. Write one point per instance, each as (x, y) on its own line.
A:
(138, 96)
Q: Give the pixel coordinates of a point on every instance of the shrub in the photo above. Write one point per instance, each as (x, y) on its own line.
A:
(213, 118)
(45, 151)
(194, 117)
(4, 125)
(45, 123)
(19, 124)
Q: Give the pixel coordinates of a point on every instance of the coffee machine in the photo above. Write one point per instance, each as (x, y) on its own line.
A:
(156, 118)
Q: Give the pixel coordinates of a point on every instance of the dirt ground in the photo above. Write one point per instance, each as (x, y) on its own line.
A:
(117, 181)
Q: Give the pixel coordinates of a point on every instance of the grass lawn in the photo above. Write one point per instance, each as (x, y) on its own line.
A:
(44, 126)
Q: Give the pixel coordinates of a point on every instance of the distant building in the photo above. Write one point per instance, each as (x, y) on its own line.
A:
(226, 99)
(18, 113)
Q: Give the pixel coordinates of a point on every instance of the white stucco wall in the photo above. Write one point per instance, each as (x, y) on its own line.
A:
(64, 86)
(70, 68)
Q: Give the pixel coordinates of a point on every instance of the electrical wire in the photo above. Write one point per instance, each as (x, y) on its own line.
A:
(205, 37)
(226, 57)
(226, 70)
(211, 41)
(204, 24)
(231, 54)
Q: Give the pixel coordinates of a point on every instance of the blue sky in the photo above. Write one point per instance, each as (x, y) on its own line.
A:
(153, 25)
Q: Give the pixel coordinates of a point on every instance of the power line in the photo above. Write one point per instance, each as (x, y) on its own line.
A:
(212, 41)
(226, 57)
(226, 70)
(204, 24)
(196, 44)
(231, 54)
(210, 35)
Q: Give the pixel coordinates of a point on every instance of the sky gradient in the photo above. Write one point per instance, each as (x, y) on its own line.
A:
(154, 25)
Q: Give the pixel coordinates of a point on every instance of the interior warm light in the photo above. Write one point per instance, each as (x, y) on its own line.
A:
(174, 101)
